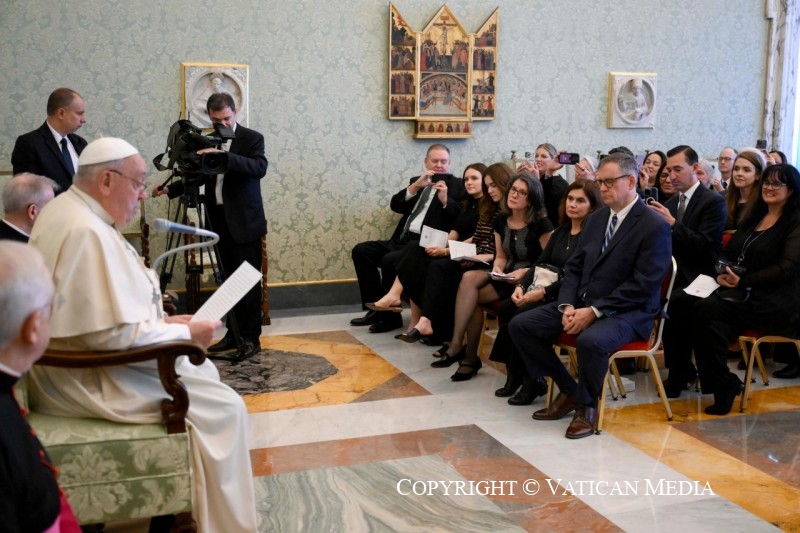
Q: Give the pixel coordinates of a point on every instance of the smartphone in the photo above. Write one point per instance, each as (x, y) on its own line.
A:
(761, 144)
(650, 195)
(440, 177)
(567, 158)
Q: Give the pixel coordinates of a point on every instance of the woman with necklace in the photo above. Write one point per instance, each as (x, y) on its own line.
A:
(582, 198)
(520, 236)
(759, 283)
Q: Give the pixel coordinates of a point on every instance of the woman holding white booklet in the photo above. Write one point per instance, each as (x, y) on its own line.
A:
(520, 233)
(430, 279)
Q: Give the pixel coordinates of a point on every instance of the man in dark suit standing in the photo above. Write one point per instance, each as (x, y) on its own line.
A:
(236, 212)
(697, 217)
(428, 201)
(52, 150)
(609, 296)
(24, 196)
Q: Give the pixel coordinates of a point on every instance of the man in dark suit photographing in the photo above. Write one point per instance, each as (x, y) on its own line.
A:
(236, 212)
(430, 199)
(52, 150)
(609, 296)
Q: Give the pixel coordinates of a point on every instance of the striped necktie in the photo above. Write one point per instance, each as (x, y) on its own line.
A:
(609, 233)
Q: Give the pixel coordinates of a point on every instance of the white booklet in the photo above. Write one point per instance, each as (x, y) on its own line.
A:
(464, 251)
(702, 286)
(230, 292)
(499, 276)
(432, 237)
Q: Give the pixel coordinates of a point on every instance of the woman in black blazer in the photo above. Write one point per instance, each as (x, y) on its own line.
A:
(759, 275)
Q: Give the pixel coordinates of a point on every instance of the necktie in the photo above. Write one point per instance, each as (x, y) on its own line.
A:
(724, 184)
(420, 205)
(66, 156)
(609, 233)
(681, 208)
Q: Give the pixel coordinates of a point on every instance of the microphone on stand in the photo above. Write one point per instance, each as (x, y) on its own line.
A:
(162, 225)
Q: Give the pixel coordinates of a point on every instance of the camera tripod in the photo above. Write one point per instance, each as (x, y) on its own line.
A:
(195, 267)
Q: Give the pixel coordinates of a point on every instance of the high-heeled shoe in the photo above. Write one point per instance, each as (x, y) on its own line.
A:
(531, 389)
(464, 376)
(442, 352)
(512, 384)
(391, 308)
(448, 360)
(723, 400)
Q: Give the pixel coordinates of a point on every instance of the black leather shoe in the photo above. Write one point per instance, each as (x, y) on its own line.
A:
(225, 345)
(723, 400)
(465, 376)
(531, 389)
(674, 385)
(512, 384)
(790, 371)
(561, 407)
(448, 360)
(412, 336)
(370, 318)
(386, 325)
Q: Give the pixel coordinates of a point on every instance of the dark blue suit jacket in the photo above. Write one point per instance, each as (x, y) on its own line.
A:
(697, 239)
(38, 152)
(625, 280)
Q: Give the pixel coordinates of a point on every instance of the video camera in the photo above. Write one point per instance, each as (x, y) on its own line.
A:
(183, 142)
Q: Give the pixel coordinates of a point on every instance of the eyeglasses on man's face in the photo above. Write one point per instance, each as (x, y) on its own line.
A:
(609, 182)
(140, 185)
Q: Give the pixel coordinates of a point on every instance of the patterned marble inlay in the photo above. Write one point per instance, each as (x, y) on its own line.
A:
(274, 371)
(767, 441)
(314, 369)
(470, 451)
(366, 498)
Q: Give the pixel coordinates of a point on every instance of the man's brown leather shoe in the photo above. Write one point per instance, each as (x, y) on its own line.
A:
(560, 407)
(583, 423)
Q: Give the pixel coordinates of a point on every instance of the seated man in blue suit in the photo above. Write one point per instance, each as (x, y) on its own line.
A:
(609, 296)
(52, 150)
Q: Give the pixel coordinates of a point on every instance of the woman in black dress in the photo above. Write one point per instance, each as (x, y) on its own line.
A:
(582, 198)
(440, 284)
(520, 236)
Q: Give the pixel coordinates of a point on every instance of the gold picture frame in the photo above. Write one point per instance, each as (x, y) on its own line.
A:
(200, 80)
(632, 99)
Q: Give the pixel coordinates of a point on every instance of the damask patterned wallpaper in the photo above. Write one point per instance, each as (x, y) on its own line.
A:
(318, 84)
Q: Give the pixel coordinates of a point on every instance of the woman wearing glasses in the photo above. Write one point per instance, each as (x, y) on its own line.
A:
(520, 233)
(582, 198)
(760, 283)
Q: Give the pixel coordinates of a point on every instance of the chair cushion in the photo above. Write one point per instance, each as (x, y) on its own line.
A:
(111, 471)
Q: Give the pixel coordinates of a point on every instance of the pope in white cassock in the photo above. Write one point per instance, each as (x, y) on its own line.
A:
(106, 299)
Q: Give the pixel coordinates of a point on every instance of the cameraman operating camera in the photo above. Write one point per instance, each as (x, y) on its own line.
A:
(236, 212)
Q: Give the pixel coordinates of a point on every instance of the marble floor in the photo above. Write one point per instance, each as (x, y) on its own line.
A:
(359, 433)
